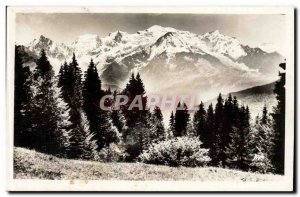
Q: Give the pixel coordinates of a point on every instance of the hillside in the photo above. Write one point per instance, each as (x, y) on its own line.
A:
(255, 97)
(263, 89)
(29, 164)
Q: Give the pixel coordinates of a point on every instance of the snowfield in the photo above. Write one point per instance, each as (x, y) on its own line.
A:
(29, 164)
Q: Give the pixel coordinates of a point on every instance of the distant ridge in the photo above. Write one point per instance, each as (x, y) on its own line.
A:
(263, 89)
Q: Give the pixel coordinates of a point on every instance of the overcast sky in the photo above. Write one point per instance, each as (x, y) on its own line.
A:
(253, 30)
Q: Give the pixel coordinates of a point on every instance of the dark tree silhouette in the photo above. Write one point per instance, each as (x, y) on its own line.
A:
(199, 125)
(158, 129)
(23, 96)
(239, 148)
(212, 140)
(228, 124)
(172, 124)
(182, 118)
(138, 128)
(219, 122)
(91, 93)
(279, 123)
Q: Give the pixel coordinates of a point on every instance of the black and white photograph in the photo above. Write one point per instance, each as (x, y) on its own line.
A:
(150, 99)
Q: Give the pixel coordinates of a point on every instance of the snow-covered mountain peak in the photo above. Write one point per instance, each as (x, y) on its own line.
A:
(158, 29)
(54, 49)
(159, 50)
(41, 41)
(117, 36)
(86, 44)
(222, 44)
(87, 39)
(215, 33)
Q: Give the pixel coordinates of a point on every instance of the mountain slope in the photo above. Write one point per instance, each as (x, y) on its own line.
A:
(255, 97)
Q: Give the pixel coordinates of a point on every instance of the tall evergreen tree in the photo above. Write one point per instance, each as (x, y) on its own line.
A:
(182, 118)
(199, 125)
(235, 111)
(138, 130)
(279, 123)
(228, 120)
(50, 115)
(101, 125)
(261, 144)
(238, 149)
(212, 141)
(219, 122)
(80, 135)
(172, 124)
(158, 130)
(91, 93)
(23, 96)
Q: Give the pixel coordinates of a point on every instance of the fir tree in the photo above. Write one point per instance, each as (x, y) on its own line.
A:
(279, 123)
(182, 118)
(199, 125)
(138, 128)
(261, 145)
(219, 122)
(91, 93)
(172, 124)
(228, 120)
(71, 86)
(238, 149)
(212, 141)
(118, 120)
(157, 125)
(23, 97)
(235, 111)
(90, 147)
(50, 125)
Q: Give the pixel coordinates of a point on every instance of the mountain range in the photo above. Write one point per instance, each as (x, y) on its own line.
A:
(169, 60)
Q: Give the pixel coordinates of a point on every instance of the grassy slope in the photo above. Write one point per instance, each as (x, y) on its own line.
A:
(29, 164)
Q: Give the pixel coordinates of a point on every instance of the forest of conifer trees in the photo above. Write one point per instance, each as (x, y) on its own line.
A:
(60, 115)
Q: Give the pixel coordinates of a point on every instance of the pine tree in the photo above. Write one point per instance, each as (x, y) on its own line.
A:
(91, 94)
(118, 120)
(228, 121)
(23, 96)
(199, 125)
(212, 141)
(172, 124)
(90, 147)
(239, 148)
(219, 123)
(158, 130)
(235, 111)
(137, 134)
(49, 117)
(279, 123)
(261, 144)
(62, 75)
(80, 132)
(182, 118)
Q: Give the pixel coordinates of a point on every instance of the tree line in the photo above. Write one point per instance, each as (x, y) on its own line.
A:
(61, 115)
